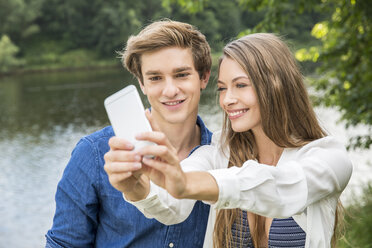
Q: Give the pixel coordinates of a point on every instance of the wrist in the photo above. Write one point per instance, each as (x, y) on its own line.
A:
(200, 185)
(140, 190)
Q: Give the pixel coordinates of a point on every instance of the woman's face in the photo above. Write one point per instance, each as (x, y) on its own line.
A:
(238, 97)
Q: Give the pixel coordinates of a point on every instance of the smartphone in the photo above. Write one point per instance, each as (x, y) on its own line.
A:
(127, 115)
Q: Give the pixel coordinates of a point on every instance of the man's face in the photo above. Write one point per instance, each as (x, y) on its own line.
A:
(171, 84)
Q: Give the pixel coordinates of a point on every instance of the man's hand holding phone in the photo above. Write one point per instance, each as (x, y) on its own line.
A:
(124, 168)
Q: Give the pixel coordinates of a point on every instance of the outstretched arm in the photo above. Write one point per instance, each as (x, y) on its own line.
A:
(304, 176)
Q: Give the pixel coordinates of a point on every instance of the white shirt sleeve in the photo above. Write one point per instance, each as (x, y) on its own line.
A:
(167, 209)
(301, 177)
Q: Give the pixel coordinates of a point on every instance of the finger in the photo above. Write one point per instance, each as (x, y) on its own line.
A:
(119, 177)
(159, 151)
(152, 121)
(155, 137)
(114, 168)
(146, 169)
(156, 164)
(121, 156)
(117, 143)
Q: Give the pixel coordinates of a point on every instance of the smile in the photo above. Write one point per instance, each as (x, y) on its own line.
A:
(236, 114)
(173, 103)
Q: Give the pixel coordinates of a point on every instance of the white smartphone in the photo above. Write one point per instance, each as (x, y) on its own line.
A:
(127, 115)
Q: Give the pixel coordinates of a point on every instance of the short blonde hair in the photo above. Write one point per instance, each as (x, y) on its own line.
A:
(162, 34)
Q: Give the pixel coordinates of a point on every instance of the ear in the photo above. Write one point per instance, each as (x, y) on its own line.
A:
(204, 80)
(143, 88)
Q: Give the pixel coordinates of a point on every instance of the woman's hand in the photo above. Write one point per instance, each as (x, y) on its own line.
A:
(164, 170)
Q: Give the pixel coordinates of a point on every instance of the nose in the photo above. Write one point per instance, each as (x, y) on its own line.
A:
(229, 98)
(170, 89)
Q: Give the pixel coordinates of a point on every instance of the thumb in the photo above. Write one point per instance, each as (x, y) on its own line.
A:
(153, 123)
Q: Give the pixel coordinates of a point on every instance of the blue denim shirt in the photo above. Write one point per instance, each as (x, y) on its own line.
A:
(91, 213)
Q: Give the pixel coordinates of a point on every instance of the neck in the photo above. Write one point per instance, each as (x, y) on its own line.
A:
(268, 152)
(183, 136)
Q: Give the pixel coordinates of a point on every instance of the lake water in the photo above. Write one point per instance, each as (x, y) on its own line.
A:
(42, 116)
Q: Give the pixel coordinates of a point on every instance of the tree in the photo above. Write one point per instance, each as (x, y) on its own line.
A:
(17, 18)
(346, 69)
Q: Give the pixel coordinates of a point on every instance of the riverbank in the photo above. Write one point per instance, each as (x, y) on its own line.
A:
(83, 62)
(62, 67)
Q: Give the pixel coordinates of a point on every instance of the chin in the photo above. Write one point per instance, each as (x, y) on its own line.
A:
(175, 118)
(239, 129)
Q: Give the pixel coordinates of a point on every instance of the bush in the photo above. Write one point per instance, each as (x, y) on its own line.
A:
(8, 53)
(358, 222)
(78, 58)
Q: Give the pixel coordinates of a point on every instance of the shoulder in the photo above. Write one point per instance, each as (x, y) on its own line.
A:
(327, 146)
(330, 153)
(97, 140)
(102, 135)
(92, 147)
(327, 142)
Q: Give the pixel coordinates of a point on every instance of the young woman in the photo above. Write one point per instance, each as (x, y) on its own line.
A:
(272, 175)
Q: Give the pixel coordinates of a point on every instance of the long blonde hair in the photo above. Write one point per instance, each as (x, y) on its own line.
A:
(287, 116)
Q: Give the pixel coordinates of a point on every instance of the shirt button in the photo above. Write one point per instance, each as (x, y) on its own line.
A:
(171, 245)
(227, 204)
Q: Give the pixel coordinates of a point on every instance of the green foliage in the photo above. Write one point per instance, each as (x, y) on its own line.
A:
(358, 222)
(97, 24)
(8, 53)
(45, 30)
(346, 75)
(190, 6)
(219, 21)
(18, 18)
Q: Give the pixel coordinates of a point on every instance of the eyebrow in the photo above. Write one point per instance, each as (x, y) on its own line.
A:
(180, 69)
(176, 70)
(234, 80)
(152, 73)
(240, 77)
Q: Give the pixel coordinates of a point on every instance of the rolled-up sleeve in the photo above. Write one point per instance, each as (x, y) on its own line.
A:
(262, 189)
(302, 176)
(163, 207)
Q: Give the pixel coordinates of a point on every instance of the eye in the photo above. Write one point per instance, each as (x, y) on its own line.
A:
(241, 85)
(181, 75)
(155, 78)
(219, 89)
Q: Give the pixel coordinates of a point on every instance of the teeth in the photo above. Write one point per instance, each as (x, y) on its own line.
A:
(173, 103)
(237, 112)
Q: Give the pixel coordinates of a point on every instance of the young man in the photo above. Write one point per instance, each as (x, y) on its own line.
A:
(172, 62)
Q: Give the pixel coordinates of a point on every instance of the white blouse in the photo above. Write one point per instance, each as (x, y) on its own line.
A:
(306, 184)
